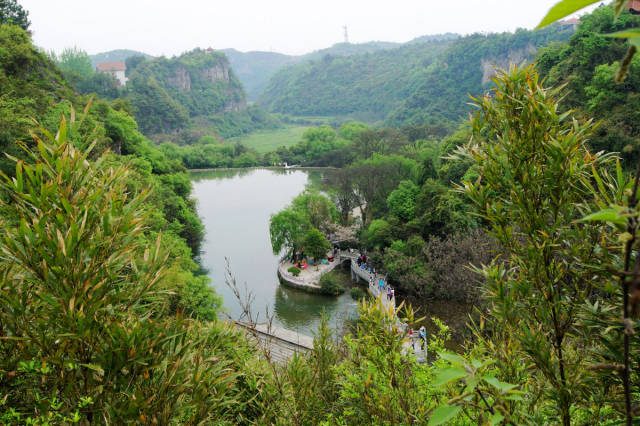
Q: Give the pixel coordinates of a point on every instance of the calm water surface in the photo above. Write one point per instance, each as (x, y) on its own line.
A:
(235, 207)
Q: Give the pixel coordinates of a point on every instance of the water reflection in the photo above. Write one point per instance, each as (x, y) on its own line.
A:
(297, 309)
(235, 206)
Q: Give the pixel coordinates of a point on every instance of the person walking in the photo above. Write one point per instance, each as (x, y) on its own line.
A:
(412, 339)
(392, 294)
(423, 337)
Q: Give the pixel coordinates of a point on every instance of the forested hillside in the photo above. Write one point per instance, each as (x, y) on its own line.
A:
(255, 69)
(587, 66)
(369, 85)
(166, 93)
(181, 99)
(33, 88)
(466, 68)
(411, 84)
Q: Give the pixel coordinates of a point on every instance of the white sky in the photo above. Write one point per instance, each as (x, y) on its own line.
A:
(170, 27)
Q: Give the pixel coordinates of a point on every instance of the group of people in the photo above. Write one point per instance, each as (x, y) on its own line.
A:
(385, 288)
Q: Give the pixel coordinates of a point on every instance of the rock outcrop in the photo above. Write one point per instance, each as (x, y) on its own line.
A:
(216, 73)
(180, 79)
(517, 56)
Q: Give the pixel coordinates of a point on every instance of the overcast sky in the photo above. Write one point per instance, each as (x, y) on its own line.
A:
(163, 27)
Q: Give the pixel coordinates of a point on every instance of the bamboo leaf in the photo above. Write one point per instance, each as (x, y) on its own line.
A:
(443, 414)
(628, 33)
(619, 6)
(563, 9)
(606, 215)
(449, 374)
(95, 368)
(451, 357)
(501, 386)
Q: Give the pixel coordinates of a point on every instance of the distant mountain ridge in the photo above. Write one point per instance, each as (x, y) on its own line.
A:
(255, 68)
(427, 79)
(115, 56)
(366, 86)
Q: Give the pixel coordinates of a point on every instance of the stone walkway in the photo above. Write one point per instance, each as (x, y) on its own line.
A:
(277, 344)
(311, 277)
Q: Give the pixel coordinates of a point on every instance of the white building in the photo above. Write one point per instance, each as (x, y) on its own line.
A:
(116, 69)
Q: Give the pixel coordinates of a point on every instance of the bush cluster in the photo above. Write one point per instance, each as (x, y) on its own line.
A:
(330, 284)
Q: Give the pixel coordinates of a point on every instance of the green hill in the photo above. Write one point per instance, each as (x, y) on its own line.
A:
(167, 93)
(425, 78)
(254, 69)
(586, 66)
(466, 67)
(368, 85)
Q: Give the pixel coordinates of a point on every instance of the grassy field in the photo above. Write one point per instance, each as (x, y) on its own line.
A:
(269, 140)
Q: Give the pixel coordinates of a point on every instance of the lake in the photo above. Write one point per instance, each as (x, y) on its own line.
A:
(235, 206)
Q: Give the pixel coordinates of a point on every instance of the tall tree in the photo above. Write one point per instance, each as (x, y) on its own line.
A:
(76, 61)
(12, 13)
(316, 244)
(534, 181)
(287, 229)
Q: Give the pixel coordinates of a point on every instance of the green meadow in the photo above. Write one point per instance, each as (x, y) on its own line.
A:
(269, 140)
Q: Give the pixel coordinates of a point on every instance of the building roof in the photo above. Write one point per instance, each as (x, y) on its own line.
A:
(111, 66)
(571, 21)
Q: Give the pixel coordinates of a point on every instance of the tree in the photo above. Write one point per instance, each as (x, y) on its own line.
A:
(535, 174)
(287, 229)
(318, 209)
(402, 201)
(75, 61)
(375, 178)
(383, 141)
(316, 244)
(343, 193)
(12, 13)
(351, 129)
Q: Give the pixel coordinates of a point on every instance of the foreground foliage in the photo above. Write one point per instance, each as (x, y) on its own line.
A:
(84, 337)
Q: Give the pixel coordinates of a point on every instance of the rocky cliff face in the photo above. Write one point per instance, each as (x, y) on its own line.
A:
(180, 79)
(216, 73)
(517, 56)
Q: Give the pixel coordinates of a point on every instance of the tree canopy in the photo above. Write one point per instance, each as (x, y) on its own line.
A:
(12, 13)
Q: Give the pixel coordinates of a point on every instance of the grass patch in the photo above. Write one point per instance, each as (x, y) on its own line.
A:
(269, 140)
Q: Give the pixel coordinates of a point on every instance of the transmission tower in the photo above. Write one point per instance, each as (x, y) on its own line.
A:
(346, 34)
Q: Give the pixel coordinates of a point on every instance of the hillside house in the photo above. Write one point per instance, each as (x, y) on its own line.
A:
(570, 23)
(116, 69)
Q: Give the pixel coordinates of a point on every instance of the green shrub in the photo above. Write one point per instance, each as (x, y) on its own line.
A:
(357, 293)
(295, 271)
(80, 298)
(330, 284)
